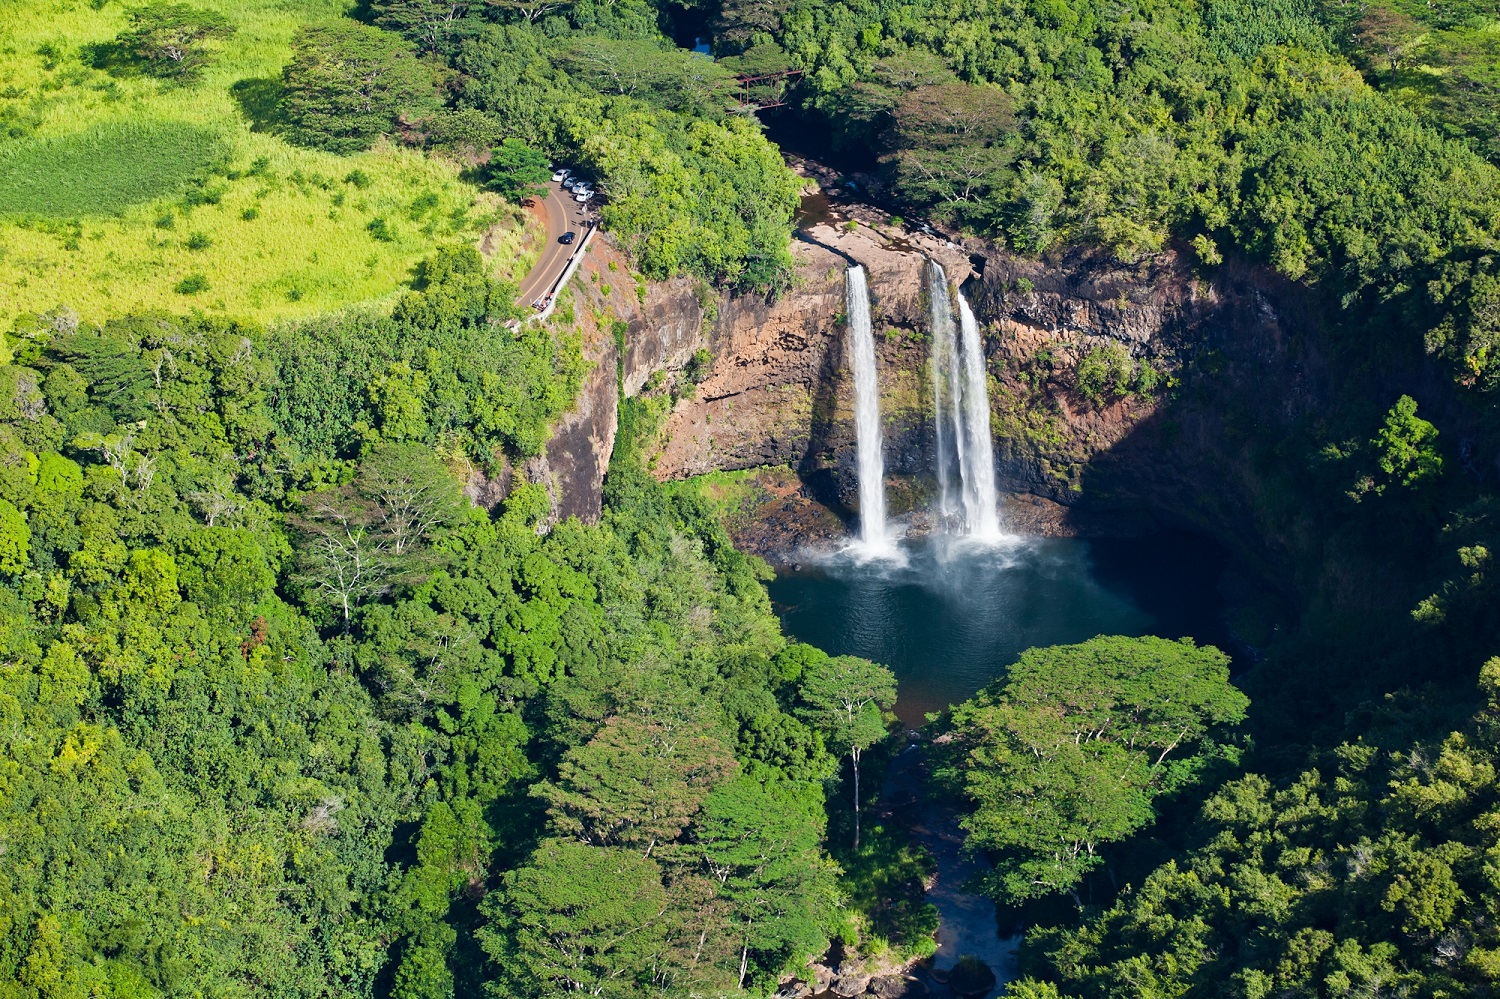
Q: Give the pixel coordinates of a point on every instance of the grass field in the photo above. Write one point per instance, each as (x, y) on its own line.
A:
(122, 192)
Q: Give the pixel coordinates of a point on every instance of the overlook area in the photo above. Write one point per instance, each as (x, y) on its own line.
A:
(973, 498)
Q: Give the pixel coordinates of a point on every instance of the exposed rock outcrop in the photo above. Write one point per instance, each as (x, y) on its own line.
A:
(1118, 390)
(663, 328)
(779, 391)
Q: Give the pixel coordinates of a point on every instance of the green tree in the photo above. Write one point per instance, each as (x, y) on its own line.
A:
(171, 39)
(1386, 34)
(845, 698)
(518, 171)
(349, 83)
(761, 845)
(637, 783)
(423, 972)
(954, 145)
(414, 497)
(15, 538)
(578, 918)
(428, 23)
(1405, 448)
(530, 11)
(1067, 753)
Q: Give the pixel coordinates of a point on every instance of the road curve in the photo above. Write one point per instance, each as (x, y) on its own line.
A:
(563, 215)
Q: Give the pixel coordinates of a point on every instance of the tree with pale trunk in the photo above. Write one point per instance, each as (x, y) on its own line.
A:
(171, 39)
(845, 698)
(1069, 752)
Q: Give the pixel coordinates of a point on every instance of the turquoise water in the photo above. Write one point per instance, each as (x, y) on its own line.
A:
(948, 616)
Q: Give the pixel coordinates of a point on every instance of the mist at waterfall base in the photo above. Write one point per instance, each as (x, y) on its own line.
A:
(953, 614)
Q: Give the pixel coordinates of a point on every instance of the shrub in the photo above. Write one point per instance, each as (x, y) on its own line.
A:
(192, 284)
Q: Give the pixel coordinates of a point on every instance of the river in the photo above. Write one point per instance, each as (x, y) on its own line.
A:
(948, 616)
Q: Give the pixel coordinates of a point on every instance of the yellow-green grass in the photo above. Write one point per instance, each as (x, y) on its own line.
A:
(117, 190)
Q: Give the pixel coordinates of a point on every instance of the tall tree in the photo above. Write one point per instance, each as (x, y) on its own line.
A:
(760, 844)
(414, 496)
(348, 83)
(531, 11)
(955, 143)
(578, 919)
(518, 171)
(171, 39)
(637, 783)
(1068, 752)
(845, 698)
(427, 23)
(341, 561)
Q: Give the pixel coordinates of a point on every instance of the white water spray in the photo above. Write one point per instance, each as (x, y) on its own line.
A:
(866, 411)
(980, 499)
(945, 386)
(961, 401)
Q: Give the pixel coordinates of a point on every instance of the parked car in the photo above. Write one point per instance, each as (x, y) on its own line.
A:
(567, 238)
(582, 196)
(560, 176)
(571, 183)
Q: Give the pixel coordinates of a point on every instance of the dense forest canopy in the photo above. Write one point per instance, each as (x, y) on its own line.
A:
(285, 712)
(1223, 125)
(278, 699)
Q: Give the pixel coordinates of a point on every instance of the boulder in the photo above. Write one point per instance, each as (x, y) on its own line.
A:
(849, 986)
(897, 987)
(794, 990)
(971, 977)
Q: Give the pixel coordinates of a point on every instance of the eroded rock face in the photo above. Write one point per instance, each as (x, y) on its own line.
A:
(1118, 391)
(662, 333)
(779, 390)
(1131, 390)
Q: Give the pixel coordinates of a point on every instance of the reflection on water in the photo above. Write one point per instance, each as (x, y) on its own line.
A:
(949, 615)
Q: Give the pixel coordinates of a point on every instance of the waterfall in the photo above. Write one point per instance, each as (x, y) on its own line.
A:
(866, 411)
(980, 498)
(961, 403)
(945, 386)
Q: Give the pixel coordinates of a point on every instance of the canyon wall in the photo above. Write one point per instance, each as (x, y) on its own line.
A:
(1124, 396)
(779, 391)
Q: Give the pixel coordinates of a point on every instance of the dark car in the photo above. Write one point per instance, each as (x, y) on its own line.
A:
(567, 238)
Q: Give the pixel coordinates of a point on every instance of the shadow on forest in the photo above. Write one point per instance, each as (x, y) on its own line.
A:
(259, 99)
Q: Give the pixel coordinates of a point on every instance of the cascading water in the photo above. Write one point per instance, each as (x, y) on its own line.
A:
(981, 503)
(961, 400)
(866, 412)
(945, 386)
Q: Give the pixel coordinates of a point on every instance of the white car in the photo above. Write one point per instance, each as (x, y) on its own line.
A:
(583, 196)
(560, 176)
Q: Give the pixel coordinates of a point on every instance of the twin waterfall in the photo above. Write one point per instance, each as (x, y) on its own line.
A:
(960, 392)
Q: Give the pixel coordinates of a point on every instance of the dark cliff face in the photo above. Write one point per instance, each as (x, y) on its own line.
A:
(662, 332)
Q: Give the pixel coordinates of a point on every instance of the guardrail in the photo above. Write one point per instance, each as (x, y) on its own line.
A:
(567, 273)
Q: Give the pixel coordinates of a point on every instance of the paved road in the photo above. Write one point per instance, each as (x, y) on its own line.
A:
(563, 215)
